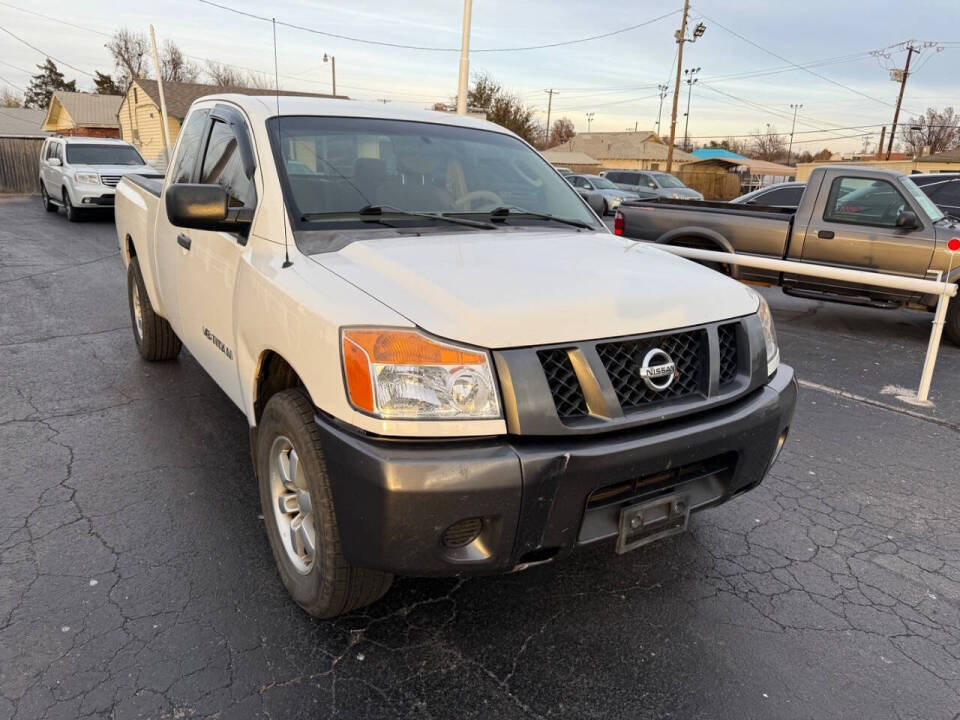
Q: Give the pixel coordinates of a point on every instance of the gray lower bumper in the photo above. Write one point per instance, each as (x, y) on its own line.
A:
(538, 497)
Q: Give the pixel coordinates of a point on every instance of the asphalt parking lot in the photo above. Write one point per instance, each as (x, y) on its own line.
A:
(136, 579)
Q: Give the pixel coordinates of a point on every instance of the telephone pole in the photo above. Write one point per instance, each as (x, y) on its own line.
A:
(589, 119)
(691, 80)
(663, 93)
(792, 128)
(550, 93)
(464, 79)
(903, 84)
(681, 37)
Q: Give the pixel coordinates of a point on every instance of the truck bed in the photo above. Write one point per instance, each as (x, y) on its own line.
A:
(152, 183)
(708, 206)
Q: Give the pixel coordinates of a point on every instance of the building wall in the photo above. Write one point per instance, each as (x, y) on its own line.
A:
(637, 164)
(92, 132)
(140, 124)
(905, 166)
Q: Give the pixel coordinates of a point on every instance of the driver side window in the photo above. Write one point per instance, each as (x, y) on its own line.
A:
(864, 201)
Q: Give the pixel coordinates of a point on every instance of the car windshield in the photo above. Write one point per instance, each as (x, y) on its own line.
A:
(923, 200)
(102, 155)
(668, 181)
(601, 183)
(331, 167)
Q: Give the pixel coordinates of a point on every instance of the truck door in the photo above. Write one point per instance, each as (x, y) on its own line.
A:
(856, 227)
(210, 260)
(169, 253)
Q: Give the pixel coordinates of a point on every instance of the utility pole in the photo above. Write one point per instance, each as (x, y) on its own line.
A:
(896, 113)
(663, 93)
(691, 80)
(681, 37)
(883, 134)
(792, 128)
(163, 101)
(333, 70)
(549, 93)
(464, 59)
(589, 119)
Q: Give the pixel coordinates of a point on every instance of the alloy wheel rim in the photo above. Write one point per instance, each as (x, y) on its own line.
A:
(292, 505)
(137, 312)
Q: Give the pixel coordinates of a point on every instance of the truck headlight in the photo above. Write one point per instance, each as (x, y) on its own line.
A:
(769, 335)
(85, 178)
(403, 374)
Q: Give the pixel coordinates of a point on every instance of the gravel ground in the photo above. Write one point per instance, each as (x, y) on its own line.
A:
(136, 579)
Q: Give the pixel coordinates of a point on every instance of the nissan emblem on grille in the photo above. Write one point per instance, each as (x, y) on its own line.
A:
(658, 370)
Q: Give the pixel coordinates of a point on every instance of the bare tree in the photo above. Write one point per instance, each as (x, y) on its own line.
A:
(734, 145)
(174, 65)
(933, 132)
(562, 131)
(223, 75)
(823, 155)
(10, 99)
(768, 145)
(129, 51)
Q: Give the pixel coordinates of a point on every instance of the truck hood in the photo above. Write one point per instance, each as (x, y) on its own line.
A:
(515, 288)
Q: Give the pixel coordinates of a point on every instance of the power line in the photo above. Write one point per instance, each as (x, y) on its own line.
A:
(429, 48)
(15, 87)
(54, 19)
(46, 54)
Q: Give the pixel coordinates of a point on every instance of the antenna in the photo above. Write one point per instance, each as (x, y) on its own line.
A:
(276, 80)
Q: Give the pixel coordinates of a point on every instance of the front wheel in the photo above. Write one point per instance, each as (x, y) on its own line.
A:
(73, 215)
(299, 514)
(48, 204)
(951, 327)
(605, 210)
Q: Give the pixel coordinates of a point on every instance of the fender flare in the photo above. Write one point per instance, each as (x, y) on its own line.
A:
(711, 237)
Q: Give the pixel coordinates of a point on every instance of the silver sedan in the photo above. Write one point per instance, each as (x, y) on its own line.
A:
(601, 194)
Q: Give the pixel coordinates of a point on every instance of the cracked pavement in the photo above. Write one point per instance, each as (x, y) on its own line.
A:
(136, 579)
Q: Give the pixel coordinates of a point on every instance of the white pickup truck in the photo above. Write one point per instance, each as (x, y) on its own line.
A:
(448, 364)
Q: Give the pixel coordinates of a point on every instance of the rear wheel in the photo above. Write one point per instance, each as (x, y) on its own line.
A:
(952, 325)
(722, 268)
(605, 210)
(73, 215)
(299, 515)
(48, 204)
(155, 339)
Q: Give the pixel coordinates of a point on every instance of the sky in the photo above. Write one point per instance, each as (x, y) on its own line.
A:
(748, 55)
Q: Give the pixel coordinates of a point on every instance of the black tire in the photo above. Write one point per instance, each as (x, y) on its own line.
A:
(329, 586)
(73, 215)
(951, 326)
(48, 204)
(155, 339)
(606, 209)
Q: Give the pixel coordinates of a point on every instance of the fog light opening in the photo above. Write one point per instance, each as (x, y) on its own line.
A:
(462, 532)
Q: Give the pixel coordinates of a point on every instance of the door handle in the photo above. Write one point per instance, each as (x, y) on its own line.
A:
(183, 241)
(826, 234)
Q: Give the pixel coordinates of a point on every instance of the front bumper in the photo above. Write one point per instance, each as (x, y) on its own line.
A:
(92, 195)
(537, 498)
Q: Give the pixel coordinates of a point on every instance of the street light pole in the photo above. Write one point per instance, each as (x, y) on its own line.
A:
(792, 128)
(333, 70)
(464, 59)
(686, 125)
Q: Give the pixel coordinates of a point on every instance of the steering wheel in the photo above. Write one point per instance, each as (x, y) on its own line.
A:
(467, 201)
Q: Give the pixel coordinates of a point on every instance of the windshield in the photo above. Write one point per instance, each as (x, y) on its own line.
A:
(102, 155)
(929, 207)
(601, 183)
(333, 166)
(668, 181)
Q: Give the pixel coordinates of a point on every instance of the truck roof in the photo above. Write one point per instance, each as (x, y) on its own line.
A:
(262, 107)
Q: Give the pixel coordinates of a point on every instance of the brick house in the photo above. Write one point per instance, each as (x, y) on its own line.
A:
(83, 114)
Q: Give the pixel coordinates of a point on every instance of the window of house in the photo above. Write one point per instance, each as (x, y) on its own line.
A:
(223, 165)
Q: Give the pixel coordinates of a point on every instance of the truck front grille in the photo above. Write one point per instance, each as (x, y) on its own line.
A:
(564, 386)
(110, 180)
(622, 361)
(728, 352)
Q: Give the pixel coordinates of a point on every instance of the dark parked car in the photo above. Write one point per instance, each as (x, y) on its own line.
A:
(650, 184)
(943, 189)
(786, 195)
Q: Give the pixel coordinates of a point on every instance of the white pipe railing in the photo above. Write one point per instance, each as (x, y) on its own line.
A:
(945, 290)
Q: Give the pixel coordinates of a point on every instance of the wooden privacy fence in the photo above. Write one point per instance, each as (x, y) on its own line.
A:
(713, 185)
(20, 164)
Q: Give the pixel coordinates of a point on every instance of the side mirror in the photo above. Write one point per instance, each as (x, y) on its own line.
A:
(205, 207)
(55, 162)
(907, 220)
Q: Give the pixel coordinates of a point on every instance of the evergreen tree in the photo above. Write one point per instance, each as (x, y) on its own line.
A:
(105, 84)
(43, 84)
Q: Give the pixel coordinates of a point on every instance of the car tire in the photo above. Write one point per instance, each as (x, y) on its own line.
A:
(48, 204)
(606, 209)
(73, 215)
(951, 326)
(153, 335)
(298, 512)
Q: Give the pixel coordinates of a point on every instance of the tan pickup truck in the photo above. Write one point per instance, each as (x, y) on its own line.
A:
(852, 217)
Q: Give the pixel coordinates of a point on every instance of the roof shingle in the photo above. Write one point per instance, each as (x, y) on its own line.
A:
(88, 110)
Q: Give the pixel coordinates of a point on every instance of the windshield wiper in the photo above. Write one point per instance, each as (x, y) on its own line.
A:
(506, 211)
(373, 213)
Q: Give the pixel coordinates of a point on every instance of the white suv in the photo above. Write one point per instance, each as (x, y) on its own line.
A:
(80, 173)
